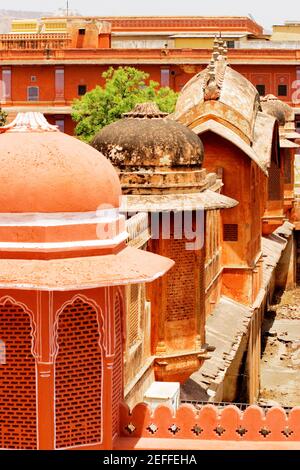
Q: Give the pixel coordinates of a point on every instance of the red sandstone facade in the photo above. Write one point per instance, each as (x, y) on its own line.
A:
(62, 299)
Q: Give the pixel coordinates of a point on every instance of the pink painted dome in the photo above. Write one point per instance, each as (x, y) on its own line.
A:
(44, 170)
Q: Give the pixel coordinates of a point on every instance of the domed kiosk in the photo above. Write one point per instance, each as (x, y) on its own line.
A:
(159, 162)
(285, 116)
(63, 267)
(152, 154)
(53, 171)
(224, 108)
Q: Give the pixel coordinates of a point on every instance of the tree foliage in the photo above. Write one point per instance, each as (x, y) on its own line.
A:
(124, 87)
(3, 116)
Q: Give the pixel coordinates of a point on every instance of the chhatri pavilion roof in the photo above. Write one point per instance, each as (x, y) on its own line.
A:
(44, 170)
(236, 98)
(143, 138)
(221, 100)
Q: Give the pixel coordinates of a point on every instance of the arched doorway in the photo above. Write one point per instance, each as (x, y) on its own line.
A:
(18, 421)
(78, 376)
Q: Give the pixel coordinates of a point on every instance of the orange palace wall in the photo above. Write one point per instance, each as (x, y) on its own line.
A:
(90, 75)
(21, 80)
(258, 74)
(178, 310)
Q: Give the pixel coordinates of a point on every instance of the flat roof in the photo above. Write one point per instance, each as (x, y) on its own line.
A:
(129, 266)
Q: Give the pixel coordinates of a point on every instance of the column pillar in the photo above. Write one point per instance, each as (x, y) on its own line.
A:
(108, 363)
(107, 430)
(45, 371)
(156, 291)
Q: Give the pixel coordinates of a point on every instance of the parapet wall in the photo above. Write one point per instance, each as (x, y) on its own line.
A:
(210, 423)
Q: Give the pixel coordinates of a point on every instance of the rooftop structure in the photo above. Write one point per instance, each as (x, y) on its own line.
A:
(235, 103)
(96, 309)
(65, 57)
(160, 166)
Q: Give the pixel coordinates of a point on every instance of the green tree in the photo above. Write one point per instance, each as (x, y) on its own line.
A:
(3, 116)
(124, 87)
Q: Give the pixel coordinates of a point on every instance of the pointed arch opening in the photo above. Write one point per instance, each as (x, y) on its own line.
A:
(78, 374)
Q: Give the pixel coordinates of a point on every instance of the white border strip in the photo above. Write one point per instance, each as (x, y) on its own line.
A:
(59, 218)
(58, 246)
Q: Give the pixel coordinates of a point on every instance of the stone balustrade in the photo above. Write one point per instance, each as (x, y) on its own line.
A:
(34, 41)
(210, 423)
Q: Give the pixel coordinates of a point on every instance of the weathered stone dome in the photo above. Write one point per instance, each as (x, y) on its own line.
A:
(144, 138)
(275, 107)
(151, 152)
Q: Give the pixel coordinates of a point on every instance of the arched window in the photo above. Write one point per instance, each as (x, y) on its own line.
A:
(78, 376)
(17, 379)
(33, 93)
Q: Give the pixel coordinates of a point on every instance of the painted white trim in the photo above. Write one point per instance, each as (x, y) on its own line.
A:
(59, 218)
(99, 314)
(66, 246)
(83, 286)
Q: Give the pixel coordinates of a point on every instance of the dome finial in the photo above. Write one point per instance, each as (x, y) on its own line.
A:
(212, 71)
(211, 89)
(215, 71)
(147, 110)
(216, 51)
(220, 45)
(225, 50)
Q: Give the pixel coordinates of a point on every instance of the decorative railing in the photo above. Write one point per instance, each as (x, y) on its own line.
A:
(210, 423)
(176, 56)
(138, 230)
(34, 41)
